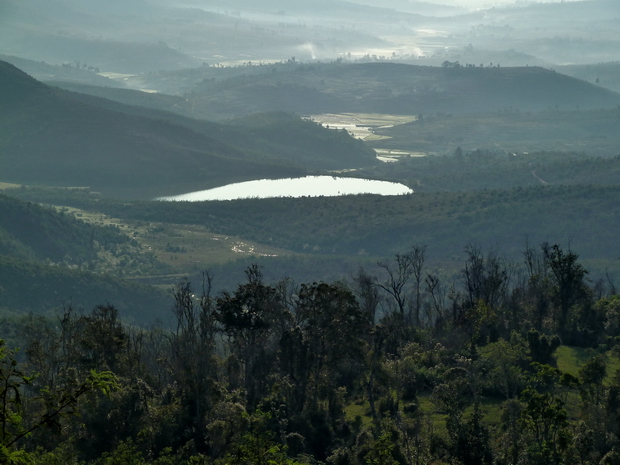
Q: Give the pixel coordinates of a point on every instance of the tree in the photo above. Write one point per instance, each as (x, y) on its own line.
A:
(568, 278)
(610, 307)
(332, 324)
(191, 356)
(66, 354)
(418, 259)
(591, 376)
(257, 446)
(398, 275)
(254, 319)
(366, 290)
(437, 300)
(381, 452)
(294, 364)
(544, 416)
(486, 278)
(537, 290)
(542, 347)
(53, 405)
(506, 362)
(103, 339)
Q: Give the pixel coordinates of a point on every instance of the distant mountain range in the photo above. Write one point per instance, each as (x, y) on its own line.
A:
(391, 88)
(141, 36)
(457, 87)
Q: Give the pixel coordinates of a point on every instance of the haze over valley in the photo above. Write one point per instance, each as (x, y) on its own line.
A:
(496, 122)
(145, 99)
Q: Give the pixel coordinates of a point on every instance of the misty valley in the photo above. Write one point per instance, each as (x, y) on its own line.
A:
(312, 232)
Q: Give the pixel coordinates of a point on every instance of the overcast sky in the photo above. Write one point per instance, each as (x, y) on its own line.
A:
(486, 3)
(469, 4)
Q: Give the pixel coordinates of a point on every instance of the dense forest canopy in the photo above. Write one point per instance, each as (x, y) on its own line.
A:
(399, 367)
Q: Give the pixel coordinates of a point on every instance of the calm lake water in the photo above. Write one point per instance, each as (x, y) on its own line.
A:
(309, 186)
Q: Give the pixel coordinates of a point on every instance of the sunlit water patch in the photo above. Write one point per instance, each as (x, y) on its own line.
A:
(362, 126)
(309, 186)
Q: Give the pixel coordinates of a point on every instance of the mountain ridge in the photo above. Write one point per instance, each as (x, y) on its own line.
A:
(51, 136)
(388, 87)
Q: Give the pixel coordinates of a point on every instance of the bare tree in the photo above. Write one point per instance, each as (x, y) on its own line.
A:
(537, 286)
(192, 350)
(486, 278)
(437, 303)
(367, 294)
(418, 259)
(398, 275)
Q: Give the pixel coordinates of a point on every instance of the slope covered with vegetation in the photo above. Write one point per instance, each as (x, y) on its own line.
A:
(52, 137)
(397, 369)
(50, 259)
(379, 226)
(44, 234)
(40, 288)
(390, 88)
(593, 132)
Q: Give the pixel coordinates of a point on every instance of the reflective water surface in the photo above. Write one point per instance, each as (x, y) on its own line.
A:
(309, 186)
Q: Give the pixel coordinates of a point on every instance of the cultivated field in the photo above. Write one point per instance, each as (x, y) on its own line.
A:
(363, 126)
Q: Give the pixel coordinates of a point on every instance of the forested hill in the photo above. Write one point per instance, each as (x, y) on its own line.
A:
(390, 88)
(50, 136)
(37, 288)
(29, 231)
(49, 259)
(382, 225)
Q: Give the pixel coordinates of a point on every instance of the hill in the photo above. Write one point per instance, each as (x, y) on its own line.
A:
(389, 88)
(587, 215)
(50, 259)
(67, 72)
(31, 287)
(30, 231)
(602, 74)
(488, 169)
(54, 137)
(594, 132)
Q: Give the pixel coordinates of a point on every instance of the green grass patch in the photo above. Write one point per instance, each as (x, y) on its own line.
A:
(572, 359)
(437, 418)
(359, 409)
(492, 412)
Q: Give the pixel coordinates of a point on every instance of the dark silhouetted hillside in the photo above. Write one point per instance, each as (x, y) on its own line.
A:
(28, 230)
(27, 286)
(53, 137)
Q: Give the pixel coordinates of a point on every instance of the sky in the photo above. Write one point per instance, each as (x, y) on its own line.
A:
(469, 4)
(486, 3)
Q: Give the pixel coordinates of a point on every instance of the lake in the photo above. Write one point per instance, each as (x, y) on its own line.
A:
(309, 186)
